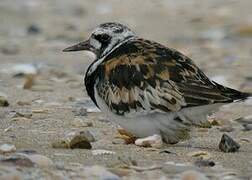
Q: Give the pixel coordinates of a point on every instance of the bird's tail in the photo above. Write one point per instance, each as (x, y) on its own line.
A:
(198, 115)
(232, 94)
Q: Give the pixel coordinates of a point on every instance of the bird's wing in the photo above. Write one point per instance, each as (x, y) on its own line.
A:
(143, 76)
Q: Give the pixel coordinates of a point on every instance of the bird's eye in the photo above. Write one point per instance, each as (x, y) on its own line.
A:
(102, 37)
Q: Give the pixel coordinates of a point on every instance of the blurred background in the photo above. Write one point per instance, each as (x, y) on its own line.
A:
(216, 34)
(45, 91)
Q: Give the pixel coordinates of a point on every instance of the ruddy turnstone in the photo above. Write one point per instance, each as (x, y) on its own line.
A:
(148, 88)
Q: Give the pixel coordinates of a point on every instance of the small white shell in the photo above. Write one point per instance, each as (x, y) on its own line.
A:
(102, 152)
(151, 141)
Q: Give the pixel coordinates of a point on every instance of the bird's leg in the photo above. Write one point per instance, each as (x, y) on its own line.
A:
(126, 136)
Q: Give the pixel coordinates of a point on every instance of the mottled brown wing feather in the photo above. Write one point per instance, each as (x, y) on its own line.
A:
(143, 76)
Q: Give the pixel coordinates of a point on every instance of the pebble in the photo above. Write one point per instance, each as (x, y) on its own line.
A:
(33, 29)
(245, 30)
(200, 154)
(227, 144)
(42, 88)
(29, 81)
(204, 163)
(7, 148)
(193, 175)
(88, 135)
(78, 122)
(75, 140)
(3, 102)
(102, 152)
(23, 69)
(126, 136)
(151, 141)
(215, 122)
(38, 111)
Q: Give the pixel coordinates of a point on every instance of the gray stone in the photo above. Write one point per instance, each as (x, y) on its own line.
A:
(33, 29)
(204, 163)
(75, 140)
(3, 102)
(227, 144)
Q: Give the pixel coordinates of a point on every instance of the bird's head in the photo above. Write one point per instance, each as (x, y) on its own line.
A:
(103, 39)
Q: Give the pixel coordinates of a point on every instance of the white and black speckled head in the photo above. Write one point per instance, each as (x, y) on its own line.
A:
(104, 38)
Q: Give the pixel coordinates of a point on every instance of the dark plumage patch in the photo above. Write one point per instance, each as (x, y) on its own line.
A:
(120, 76)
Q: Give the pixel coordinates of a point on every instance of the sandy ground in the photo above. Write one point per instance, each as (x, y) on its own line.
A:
(216, 34)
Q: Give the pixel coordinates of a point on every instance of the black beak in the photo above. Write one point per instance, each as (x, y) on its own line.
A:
(82, 46)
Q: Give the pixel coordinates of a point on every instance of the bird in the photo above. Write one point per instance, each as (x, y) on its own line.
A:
(148, 88)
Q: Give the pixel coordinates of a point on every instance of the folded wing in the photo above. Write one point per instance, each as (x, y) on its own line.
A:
(142, 76)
